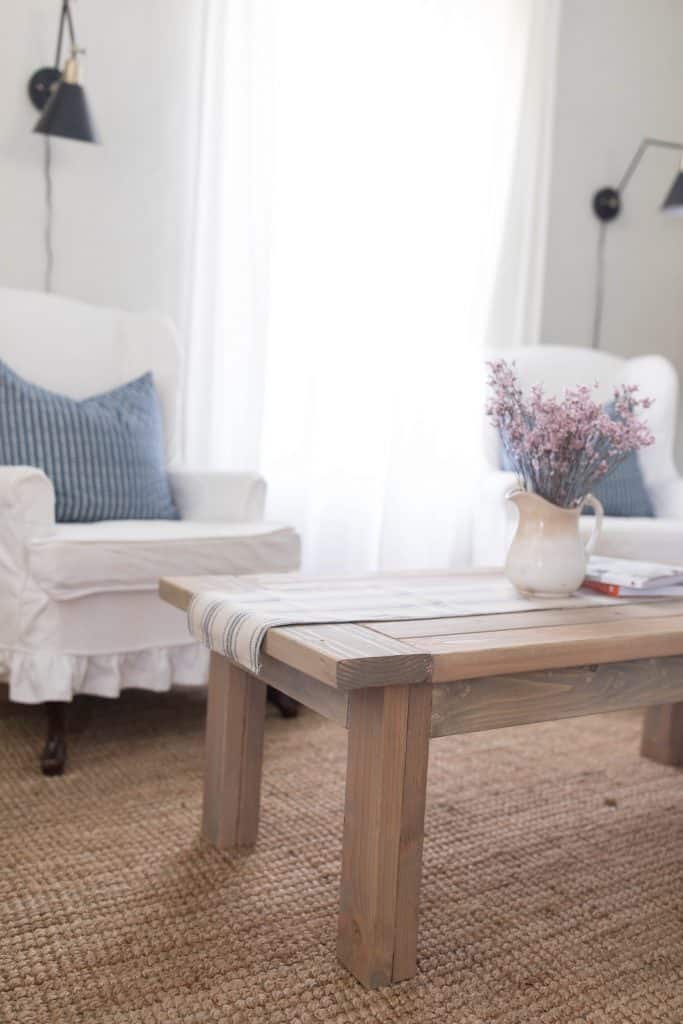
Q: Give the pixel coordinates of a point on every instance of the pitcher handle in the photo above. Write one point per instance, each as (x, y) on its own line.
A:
(596, 505)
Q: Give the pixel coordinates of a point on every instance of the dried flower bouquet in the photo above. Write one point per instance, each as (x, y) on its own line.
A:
(559, 448)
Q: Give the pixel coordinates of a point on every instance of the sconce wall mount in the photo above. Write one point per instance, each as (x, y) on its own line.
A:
(607, 204)
(607, 201)
(41, 84)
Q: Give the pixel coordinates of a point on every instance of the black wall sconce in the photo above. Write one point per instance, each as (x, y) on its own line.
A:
(59, 94)
(607, 204)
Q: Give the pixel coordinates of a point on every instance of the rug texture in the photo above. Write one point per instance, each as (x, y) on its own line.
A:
(552, 887)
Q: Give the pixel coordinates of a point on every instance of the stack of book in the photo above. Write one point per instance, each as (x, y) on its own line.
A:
(622, 577)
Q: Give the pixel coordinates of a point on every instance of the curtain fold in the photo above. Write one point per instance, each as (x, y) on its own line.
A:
(369, 216)
(226, 307)
(515, 306)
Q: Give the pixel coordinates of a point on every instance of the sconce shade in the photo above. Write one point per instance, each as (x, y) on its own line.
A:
(67, 114)
(674, 200)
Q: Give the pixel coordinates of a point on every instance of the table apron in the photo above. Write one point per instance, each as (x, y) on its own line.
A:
(321, 697)
(493, 702)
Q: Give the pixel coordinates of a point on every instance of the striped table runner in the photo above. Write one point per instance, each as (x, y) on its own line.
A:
(234, 621)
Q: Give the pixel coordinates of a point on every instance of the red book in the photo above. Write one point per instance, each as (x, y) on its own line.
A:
(617, 577)
(611, 589)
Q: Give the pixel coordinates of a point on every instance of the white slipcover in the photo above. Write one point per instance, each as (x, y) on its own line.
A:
(559, 366)
(79, 610)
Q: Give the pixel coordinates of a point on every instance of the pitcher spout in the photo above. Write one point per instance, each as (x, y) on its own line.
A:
(517, 496)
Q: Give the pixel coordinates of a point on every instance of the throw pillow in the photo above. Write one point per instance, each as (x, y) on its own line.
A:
(622, 493)
(104, 455)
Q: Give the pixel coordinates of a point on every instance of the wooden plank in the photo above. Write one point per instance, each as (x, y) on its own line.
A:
(455, 626)
(344, 655)
(177, 591)
(662, 738)
(499, 701)
(494, 653)
(347, 656)
(326, 700)
(350, 656)
(383, 832)
(412, 833)
(234, 752)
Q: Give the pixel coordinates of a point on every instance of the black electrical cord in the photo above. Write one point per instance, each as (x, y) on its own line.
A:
(65, 17)
(599, 285)
(49, 252)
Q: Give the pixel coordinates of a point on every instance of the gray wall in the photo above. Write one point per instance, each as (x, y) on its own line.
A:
(121, 213)
(620, 77)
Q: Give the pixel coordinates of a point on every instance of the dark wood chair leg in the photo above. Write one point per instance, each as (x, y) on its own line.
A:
(287, 706)
(53, 757)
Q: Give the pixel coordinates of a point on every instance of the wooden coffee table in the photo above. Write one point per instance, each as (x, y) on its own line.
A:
(396, 685)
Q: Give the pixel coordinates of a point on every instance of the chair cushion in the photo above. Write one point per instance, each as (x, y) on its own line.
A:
(99, 557)
(104, 455)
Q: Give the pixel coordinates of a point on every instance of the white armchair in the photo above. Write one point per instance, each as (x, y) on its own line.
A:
(658, 539)
(79, 611)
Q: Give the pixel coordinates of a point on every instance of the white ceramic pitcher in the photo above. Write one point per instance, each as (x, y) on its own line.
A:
(547, 557)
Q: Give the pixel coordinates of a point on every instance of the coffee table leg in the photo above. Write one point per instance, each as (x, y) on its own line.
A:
(663, 734)
(234, 750)
(383, 830)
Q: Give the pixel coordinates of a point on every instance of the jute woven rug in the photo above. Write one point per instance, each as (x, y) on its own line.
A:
(552, 891)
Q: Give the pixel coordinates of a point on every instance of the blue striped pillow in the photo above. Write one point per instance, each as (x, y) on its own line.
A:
(621, 493)
(104, 455)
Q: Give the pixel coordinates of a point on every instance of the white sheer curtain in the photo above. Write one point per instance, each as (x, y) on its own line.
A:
(369, 203)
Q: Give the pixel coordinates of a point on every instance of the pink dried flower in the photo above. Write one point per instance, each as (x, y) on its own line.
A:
(560, 447)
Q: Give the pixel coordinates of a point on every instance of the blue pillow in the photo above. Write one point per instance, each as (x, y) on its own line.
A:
(622, 493)
(104, 455)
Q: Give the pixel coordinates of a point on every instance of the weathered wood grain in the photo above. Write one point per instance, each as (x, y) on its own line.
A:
(234, 752)
(342, 655)
(494, 702)
(326, 700)
(350, 655)
(383, 831)
(527, 650)
(347, 655)
(651, 608)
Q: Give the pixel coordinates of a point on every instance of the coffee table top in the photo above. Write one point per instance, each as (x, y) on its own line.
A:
(350, 655)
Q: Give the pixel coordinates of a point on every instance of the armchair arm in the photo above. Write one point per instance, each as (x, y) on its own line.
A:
(218, 496)
(667, 498)
(494, 519)
(27, 511)
(28, 497)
